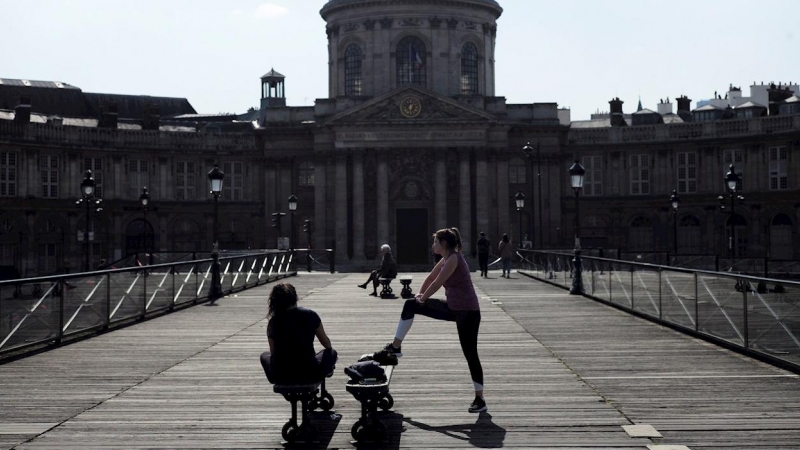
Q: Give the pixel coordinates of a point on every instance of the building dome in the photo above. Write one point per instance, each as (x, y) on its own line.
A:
(379, 45)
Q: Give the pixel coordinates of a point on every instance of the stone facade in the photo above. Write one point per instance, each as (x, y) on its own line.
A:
(394, 163)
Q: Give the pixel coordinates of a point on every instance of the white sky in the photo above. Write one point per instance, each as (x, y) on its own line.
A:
(578, 53)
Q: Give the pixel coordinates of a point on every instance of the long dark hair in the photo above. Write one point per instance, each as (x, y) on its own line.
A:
(450, 236)
(282, 297)
(505, 238)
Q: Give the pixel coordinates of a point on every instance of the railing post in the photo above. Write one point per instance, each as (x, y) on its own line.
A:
(696, 306)
(172, 302)
(108, 300)
(332, 256)
(632, 285)
(744, 316)
(62, 287)
(144, 290)
(716, 263)
(766, 267)
(660, 307)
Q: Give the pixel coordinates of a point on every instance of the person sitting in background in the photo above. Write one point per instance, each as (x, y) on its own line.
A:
(388, 269)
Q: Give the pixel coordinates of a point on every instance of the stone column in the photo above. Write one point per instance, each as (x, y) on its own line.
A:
(341, 206)
(503, 225)
(482, 191)
(358, 205)
(383, 199)
(269, 204)
(465, 201)
(320, 204)
(440, 215)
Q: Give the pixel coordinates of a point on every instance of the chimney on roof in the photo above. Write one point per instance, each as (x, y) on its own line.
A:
(684, 108)
(152, 117)
(616, 105)
(22, 112)
(665, 107)
(109, 116)
(777, 96)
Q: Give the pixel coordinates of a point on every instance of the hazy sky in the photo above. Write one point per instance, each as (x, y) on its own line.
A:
(578, 53)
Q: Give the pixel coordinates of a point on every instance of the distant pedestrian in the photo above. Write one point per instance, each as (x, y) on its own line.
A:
(506, 250)
(527, 244)
(388, 269)
(484, 248)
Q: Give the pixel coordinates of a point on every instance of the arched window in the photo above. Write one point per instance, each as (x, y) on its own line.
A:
(689, 235)
(352, 70)
(469, 69)
(641, 234)
(780, 237)
(517, 171)
(740, 233)
(411, 55)
(139, 237)
(305, 174)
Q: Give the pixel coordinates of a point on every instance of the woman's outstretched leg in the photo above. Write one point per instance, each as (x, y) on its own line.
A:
(435, 309)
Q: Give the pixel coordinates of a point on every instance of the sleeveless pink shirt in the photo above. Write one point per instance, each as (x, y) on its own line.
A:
(458, 289)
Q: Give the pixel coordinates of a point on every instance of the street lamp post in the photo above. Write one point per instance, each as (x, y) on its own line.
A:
(520, 198)
(732, 180)
(215, 180)
(87, 189)
(144, 199)
(576, 174)
(528, 150)
(676, 202)
(292, 208)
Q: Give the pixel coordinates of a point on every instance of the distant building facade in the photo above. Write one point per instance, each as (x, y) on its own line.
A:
(412, 137)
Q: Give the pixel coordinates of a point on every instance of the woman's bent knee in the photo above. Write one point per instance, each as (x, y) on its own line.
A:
(409, 309)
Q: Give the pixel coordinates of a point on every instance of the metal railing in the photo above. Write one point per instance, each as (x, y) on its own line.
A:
(47, 310)
(757, 316)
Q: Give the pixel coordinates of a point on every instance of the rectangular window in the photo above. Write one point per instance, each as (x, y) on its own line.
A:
(735, 157)
(593, 180)
(48, 164)
(96, 166)
(640, 174)
(185, 179)
(687, 172)
(139, 177)
(778, 168)
(234, 181)
(8, 174)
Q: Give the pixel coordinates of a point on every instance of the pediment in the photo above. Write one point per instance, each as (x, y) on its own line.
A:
(410, 105)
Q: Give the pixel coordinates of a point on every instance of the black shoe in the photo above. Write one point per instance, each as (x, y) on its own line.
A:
(389, 349)
(374, 294)
(478, 405)
(363, 286)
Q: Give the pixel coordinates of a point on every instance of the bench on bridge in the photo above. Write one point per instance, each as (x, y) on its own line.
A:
(406, 280)
(386, 288)
(311, 396)
(372, 396)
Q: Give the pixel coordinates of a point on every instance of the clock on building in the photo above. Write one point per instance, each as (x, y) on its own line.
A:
(410, 107)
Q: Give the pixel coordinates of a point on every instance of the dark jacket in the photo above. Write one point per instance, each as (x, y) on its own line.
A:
(484, 246)
(388, 267)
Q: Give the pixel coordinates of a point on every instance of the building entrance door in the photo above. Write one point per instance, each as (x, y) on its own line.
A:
(413, 236)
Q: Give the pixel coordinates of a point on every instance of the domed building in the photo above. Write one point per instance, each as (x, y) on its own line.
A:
(412, 137)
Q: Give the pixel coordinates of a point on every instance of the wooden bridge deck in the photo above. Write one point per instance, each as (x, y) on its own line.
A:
(561, 372)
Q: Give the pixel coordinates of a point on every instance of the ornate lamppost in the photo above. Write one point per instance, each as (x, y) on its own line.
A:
(292, 208)
(732, 180)
(528, 150)
(87, 189)
(520, 198)
(676, 202)
(576, 174)
(144, 199)
(215, 178)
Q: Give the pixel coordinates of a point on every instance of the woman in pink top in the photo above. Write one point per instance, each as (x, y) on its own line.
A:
(461, 306)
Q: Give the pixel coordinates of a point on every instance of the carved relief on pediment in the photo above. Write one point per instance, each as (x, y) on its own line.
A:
(431, 109)
(411, 162)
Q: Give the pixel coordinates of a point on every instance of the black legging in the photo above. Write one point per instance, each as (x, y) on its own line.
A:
(467, 324)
